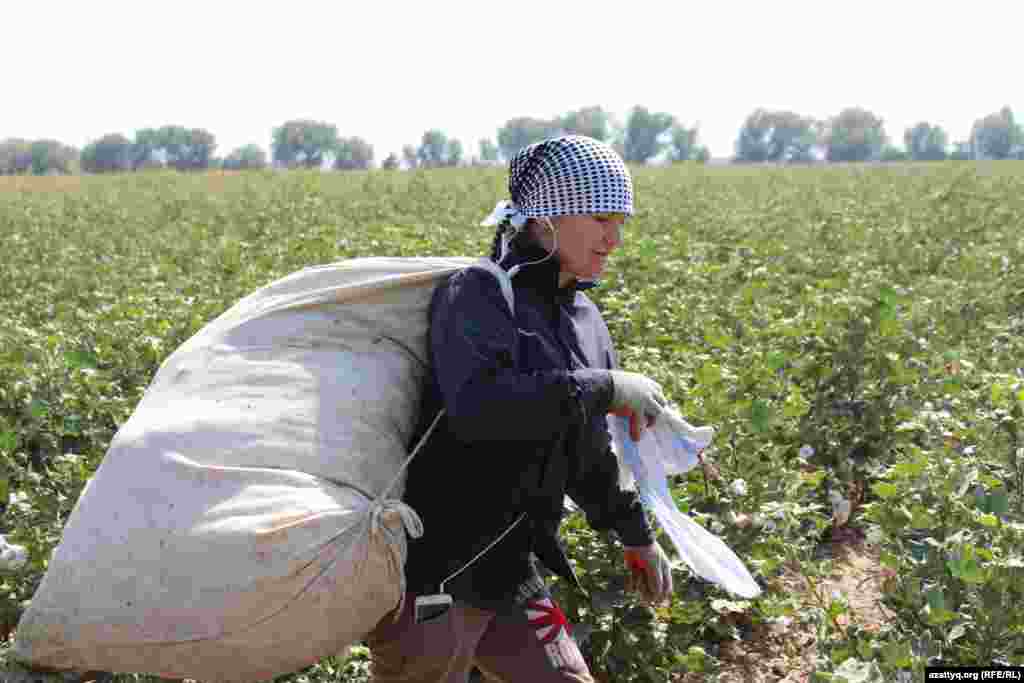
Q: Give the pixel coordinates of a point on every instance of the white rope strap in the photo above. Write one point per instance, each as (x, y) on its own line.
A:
(411, 521)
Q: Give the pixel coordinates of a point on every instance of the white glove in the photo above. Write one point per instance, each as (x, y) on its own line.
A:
(638, 397)
(649, 572)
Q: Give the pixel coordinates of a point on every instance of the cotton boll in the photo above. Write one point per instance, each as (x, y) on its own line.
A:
(841, 508)
(12, 557)
(739, 487)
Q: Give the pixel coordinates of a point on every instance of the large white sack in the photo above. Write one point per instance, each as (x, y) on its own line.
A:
(238, 528)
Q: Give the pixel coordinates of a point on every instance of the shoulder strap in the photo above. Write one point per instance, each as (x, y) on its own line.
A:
(504, 281)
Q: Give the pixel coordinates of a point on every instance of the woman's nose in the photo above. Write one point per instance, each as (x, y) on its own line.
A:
(613, 237)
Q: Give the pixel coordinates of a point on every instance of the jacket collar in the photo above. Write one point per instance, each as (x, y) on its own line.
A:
(542, 277)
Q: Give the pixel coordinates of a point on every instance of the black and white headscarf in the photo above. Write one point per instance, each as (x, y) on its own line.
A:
(567, 175)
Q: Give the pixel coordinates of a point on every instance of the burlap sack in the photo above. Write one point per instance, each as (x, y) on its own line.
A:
(241, 525)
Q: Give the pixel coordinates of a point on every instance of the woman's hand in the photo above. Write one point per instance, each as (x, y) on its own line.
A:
(637, 397)
(650, 572)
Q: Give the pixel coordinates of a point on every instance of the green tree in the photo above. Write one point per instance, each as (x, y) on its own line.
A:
(891, 153)
(961, 151)
(925, 142)
(593, 122)
(51, 156)
(433, 149)
(146, 149)
(303, 142)
(187, 149)
(455, 152)
(15, 156)
(410, 156)
(249, 157)
(437, 150)
(353, 153)
(997, 136)
(488, 151)
(112, 153)
(647, 133)
(854, 135)
(523, 131)
(184, 149)
(775, 136)
(682, 144)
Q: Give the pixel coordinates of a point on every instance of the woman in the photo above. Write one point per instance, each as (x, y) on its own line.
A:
(525, 400)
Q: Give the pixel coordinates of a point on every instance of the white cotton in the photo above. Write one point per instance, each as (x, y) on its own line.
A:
(12, 557)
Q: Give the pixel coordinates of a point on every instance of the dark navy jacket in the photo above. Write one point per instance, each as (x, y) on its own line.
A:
(526, 400)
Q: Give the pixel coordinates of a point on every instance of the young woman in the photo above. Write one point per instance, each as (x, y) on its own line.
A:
(525, 399)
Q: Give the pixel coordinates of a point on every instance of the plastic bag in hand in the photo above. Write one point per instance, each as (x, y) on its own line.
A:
(669, 448)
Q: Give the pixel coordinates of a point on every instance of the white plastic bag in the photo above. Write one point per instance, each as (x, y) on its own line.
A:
(668, 448)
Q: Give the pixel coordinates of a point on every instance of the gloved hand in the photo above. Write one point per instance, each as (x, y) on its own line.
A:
(649, 572)
(637, 397)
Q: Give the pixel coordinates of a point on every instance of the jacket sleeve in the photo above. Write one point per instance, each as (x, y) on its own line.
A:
(596, 488)
(474, 348)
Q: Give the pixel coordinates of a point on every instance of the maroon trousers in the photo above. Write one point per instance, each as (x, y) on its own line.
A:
(531, 643)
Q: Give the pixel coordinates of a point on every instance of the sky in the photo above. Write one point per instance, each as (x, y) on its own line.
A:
(388, 71)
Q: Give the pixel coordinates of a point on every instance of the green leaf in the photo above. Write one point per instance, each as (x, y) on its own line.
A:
(855, 671)
(72, 425)
(5, 490)
(966, 568)
(936, 617)
(717, 338)
(709, 374)
(8, 442)
(897, 654)
(760, 415)
(910, 470)
(889, 559)
(796, 405)
(884, 489)
(989, 520)
(920, 517)
(776, 360)
(38, 408)
(999, 502)
(982, 501)
(80, 359)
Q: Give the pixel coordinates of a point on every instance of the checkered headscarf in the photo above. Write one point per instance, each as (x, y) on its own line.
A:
(567, 175)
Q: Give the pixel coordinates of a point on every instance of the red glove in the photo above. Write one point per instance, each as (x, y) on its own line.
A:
(636, 428)
(650, 572)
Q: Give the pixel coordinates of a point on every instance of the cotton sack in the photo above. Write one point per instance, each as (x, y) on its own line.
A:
(246, 520)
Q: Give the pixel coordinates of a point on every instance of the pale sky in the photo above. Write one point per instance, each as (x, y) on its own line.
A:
(387, 71)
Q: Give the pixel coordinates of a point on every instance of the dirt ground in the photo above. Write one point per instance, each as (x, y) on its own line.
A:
(785, 654)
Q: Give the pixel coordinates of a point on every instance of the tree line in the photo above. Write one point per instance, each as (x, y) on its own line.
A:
(766, 136)
(856, 134)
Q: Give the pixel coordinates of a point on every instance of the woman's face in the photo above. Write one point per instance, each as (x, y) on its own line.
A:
(584, 243)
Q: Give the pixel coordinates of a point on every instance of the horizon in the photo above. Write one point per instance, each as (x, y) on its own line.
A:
(457, 67)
